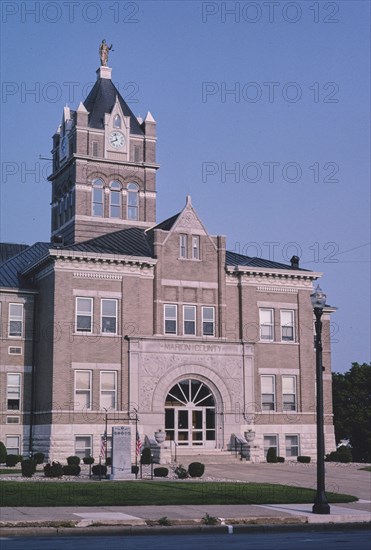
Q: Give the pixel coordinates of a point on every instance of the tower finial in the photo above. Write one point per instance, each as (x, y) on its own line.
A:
(104, 50)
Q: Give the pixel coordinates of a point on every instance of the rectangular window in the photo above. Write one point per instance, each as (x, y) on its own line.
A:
(84, 314)
(270, 441)
(108, 390)
(289, 393)
(292, 445)
(196, 247)
(95, 148)
(189, 319)
(98, 195)
(12, 443)
(208, 321)
(183, 245)
(287, 326)
(13, 392)
(82, 390)
(170, 313)
(83, 445)
(136, 153)
(266, 324)
(268, 393)
(109, 316)
(16, 320)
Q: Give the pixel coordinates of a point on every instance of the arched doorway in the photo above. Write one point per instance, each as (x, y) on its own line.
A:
(190, 414)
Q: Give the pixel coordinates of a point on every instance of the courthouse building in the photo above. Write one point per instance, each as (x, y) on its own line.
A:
(120, 316)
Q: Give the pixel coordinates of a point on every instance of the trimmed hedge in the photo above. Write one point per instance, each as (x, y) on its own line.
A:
(28, 467)
(272, 455)
(88, 460)
(99, 469)
(196, 469)
(342, 454)
(71, 470)
(3, 453)
(73, 460)
(280, 459)
(303, 459)
(39, 458)
(161, 472)
(135, 470)
(53, 470)
(12, 460)
(181, 472)
(146, 456)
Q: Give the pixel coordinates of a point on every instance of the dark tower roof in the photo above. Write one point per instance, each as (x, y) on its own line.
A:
(101, 100)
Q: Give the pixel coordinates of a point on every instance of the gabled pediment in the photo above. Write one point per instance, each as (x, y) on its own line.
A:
(188, 221)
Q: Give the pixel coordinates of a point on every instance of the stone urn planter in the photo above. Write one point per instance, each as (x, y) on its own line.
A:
(249, 436)
(160, 437)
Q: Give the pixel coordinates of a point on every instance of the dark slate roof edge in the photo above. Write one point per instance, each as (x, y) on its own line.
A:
(235, 259)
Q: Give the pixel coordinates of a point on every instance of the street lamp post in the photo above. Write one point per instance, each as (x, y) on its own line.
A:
(320, 506)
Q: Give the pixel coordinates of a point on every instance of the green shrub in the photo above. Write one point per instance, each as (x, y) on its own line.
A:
(342, 454)
(181, 472)
(164, 521)
(12, 460)
(135, 469)
(28, 467)
(196, 469)
(280, 459)
(53, 470)
(146, 456)
(209, 520)
(109, 461)
(99, 469)
(88, 460)
(160, 472)
(272, 455)
(303, 459)
(71, 470)
(3, 453)
(71, 460)
(39, 458)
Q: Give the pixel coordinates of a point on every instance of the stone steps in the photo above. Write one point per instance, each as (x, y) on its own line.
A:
(206, 456)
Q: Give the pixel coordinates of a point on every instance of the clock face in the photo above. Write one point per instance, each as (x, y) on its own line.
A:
(117, 140)
(64, 146)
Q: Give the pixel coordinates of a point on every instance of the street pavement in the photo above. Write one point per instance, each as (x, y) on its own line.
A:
(343, 478)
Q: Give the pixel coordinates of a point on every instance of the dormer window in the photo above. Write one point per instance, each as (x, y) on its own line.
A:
(115, 200)
(117, 121)
(183, 245)
(133, 202)
(196, 247)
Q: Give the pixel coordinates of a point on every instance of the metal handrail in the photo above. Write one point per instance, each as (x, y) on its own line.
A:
(236, 442)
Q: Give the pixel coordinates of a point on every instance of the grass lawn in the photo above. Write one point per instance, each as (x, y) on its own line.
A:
(136, 493)
(367, 468)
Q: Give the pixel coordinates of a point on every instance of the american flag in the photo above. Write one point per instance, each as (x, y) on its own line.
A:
(103, 445)
(139, 444)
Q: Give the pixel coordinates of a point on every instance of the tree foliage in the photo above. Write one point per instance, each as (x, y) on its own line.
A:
(352, 409)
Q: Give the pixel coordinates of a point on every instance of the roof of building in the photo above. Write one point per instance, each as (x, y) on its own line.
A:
(8, 250)
(126, 242)
(101, 100)
(10, 271)
(232, 258)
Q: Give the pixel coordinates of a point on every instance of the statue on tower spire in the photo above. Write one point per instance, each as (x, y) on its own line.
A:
(103, 53)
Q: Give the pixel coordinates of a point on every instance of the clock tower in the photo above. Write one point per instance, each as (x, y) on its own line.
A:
(104, 167)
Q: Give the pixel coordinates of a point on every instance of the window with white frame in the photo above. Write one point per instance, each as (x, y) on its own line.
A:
(268, 393)
(12, 443)
(270, 441)
(108, 390)
(189, 320)
(95, 148)
(16, 320)
(170, 316)
(292, 445)
(287, 325)
(133, 201)
(13, 391)
(115, 199)
(196, 247)
(98, 198)
(108, 316)
(208, 321)
(289, 393)
(83, 445)
(84, 314)
(266, 324)
(183, 245)
(83, 390)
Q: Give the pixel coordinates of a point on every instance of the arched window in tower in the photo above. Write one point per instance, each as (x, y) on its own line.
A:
(133, 201)
(115, 200)
(98, 198)
(117, 121)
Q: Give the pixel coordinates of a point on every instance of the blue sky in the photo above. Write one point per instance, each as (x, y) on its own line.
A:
(263, 117)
